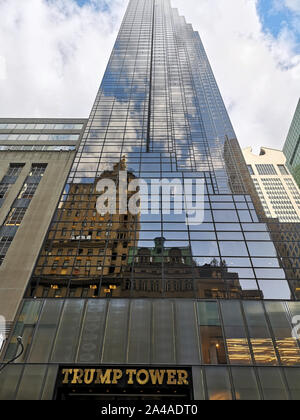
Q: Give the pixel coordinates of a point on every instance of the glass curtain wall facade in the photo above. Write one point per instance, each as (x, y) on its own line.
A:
(149, 288)
(291, 147)
(159, 115)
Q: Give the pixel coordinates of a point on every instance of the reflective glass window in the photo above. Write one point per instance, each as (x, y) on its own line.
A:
(245, 384)
(260, 336)
(218, 383)
(211, 335)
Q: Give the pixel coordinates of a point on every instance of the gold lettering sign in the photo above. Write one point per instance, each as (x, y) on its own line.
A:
(157, 376)
(77, 376)
(140, 377)
(89, 376)
(130, 373)
(103, 378)
(117, 375)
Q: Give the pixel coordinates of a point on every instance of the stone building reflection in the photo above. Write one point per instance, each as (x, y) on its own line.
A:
(286, 237)
(175, 273)
(89, 255)
(85, 253)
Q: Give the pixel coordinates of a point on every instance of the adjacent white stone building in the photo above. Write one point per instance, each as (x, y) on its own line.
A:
(276, 187)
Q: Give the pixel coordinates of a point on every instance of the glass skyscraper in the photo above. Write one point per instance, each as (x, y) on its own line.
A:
(291, 147)
(148, 305)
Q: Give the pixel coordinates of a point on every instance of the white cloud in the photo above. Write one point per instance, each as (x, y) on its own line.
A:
(280, 5)
(294, 5)
(56, 53)
(289, 10)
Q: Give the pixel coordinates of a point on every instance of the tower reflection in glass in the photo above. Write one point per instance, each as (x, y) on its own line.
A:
(159, 115)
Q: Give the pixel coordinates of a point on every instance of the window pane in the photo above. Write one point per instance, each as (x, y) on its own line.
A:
(24, 328)
(245, 384)
(163, 332)
(68, 333)
(260, 336)
(198, 383)
(187, 346)
(50, 382)
(293, 376)
(9, 381)
(287, 345)
(45, 332)
(91, 342)
(218, 383)
(139, 347)
(262, 249)
(272, 384)
(31, 383)
(208, 313)
(212, 342)
(275, 289)
(233, 249)
(115, 343)
(235, 333)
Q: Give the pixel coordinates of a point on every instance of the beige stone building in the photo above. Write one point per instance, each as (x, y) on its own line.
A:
(276, 187)
(35, 159)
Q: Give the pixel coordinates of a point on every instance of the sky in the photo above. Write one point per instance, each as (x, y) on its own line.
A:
(53, 54)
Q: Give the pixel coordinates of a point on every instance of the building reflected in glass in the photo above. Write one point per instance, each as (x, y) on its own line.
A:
(150, 289)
